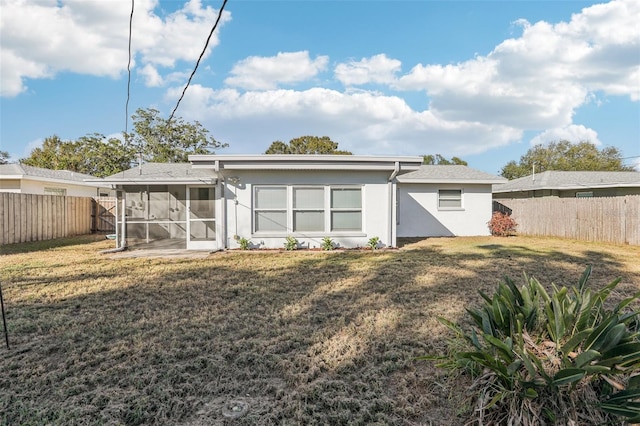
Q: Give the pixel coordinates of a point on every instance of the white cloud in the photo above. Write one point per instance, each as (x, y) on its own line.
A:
(362, 122)
(264, 73)
(377, 69)
(42, 38)
(573, 133)
(152, 77)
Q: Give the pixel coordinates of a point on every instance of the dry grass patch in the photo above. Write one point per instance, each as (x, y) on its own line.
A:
(297, 337)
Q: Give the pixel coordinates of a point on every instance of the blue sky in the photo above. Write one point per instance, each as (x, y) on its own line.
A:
(481, 80)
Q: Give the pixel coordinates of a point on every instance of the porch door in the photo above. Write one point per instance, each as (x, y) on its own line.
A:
(201, 222)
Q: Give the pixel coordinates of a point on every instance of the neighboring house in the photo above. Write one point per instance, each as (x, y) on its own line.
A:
(217, 199)
(20, 178)
(570, 184)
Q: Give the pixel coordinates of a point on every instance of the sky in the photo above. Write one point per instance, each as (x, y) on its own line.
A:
(480, 80)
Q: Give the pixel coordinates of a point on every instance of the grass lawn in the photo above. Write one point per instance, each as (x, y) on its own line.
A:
(292, 338)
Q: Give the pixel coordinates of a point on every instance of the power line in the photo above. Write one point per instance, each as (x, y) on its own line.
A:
(126, 107)
(215, 25)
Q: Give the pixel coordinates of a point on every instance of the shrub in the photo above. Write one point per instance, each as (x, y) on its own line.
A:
(291, 243)
(327, 243)
(502, 225)
(373, 243)
(558, 358)
(244, 243)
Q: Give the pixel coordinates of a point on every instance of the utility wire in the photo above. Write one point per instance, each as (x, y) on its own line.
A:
(215, 25)
(126, 107)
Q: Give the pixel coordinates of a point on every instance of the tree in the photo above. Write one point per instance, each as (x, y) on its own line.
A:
(163, 141)
(307, 145)
(440, 160)
(92, 154)
(566, 156)
(4, 157)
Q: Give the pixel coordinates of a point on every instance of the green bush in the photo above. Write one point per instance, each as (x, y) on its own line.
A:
(373, 243)
(327, 244)
(291, 243)
(550, 358)
(244, 243)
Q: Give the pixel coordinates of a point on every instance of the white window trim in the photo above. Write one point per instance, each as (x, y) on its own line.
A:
(461, 208)
(290, 210)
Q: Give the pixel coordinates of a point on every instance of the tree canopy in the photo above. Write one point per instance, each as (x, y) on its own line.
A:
(163, 141)
(440, 160)
(306, 145)
(565, 156)
(155, 138)
(91, 154)
(4, 157)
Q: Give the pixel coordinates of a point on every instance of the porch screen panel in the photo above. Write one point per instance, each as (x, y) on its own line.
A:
(158, 202)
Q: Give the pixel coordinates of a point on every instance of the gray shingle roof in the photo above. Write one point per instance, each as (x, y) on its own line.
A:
(448, 173)
(22, 170)
(161, 172)
(570, 180)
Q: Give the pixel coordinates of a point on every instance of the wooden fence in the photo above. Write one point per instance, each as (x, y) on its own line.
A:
(606, 219)
(31, 217)
(103, 215)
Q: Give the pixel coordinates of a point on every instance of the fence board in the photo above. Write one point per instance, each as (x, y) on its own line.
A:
(31, 217)
(606, 219)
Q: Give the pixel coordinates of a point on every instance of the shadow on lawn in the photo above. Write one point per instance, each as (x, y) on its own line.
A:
(324, 338)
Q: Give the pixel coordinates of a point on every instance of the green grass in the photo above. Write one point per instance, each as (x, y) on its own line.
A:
(302, 337)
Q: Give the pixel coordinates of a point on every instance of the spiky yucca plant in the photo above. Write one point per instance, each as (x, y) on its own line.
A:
(551, 358)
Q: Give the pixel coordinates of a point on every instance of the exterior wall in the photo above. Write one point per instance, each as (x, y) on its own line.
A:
(419, 215)
(376, 211)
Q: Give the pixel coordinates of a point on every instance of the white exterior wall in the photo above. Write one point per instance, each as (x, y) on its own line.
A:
(419, 215)
(375, 207)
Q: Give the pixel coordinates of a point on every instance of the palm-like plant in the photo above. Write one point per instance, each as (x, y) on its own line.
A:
(552, 357)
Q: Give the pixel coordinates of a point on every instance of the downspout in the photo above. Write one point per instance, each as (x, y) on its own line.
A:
(391, 221)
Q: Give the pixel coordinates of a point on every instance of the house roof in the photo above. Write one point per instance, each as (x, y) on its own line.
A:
(22, 171)
(304, 162)
(562, 180)
(162, 174)
(449, 174)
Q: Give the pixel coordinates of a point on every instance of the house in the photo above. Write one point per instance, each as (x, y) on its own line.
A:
(565, 184)
(215, 200)
(20, 178)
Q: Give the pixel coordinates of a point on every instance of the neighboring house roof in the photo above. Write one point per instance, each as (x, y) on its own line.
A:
(449, 174)
(22, 171)
(162, 173)
(305, 162)
(561, 180)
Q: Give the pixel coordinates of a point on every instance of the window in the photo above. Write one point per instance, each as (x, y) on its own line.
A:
(320, 209)
(308, 209)
(584, 194)
(270, 208)
(450, 199)
(346, 209)
(54, 191)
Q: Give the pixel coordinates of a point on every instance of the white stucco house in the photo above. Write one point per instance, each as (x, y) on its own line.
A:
(23, 179)
(215, 200)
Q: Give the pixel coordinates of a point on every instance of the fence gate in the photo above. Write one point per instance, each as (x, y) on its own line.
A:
(103, 214)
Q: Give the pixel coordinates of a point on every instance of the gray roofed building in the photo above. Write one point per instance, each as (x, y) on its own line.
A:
(162, 173)
(570, 184)
(450, 174)
(21, 178)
